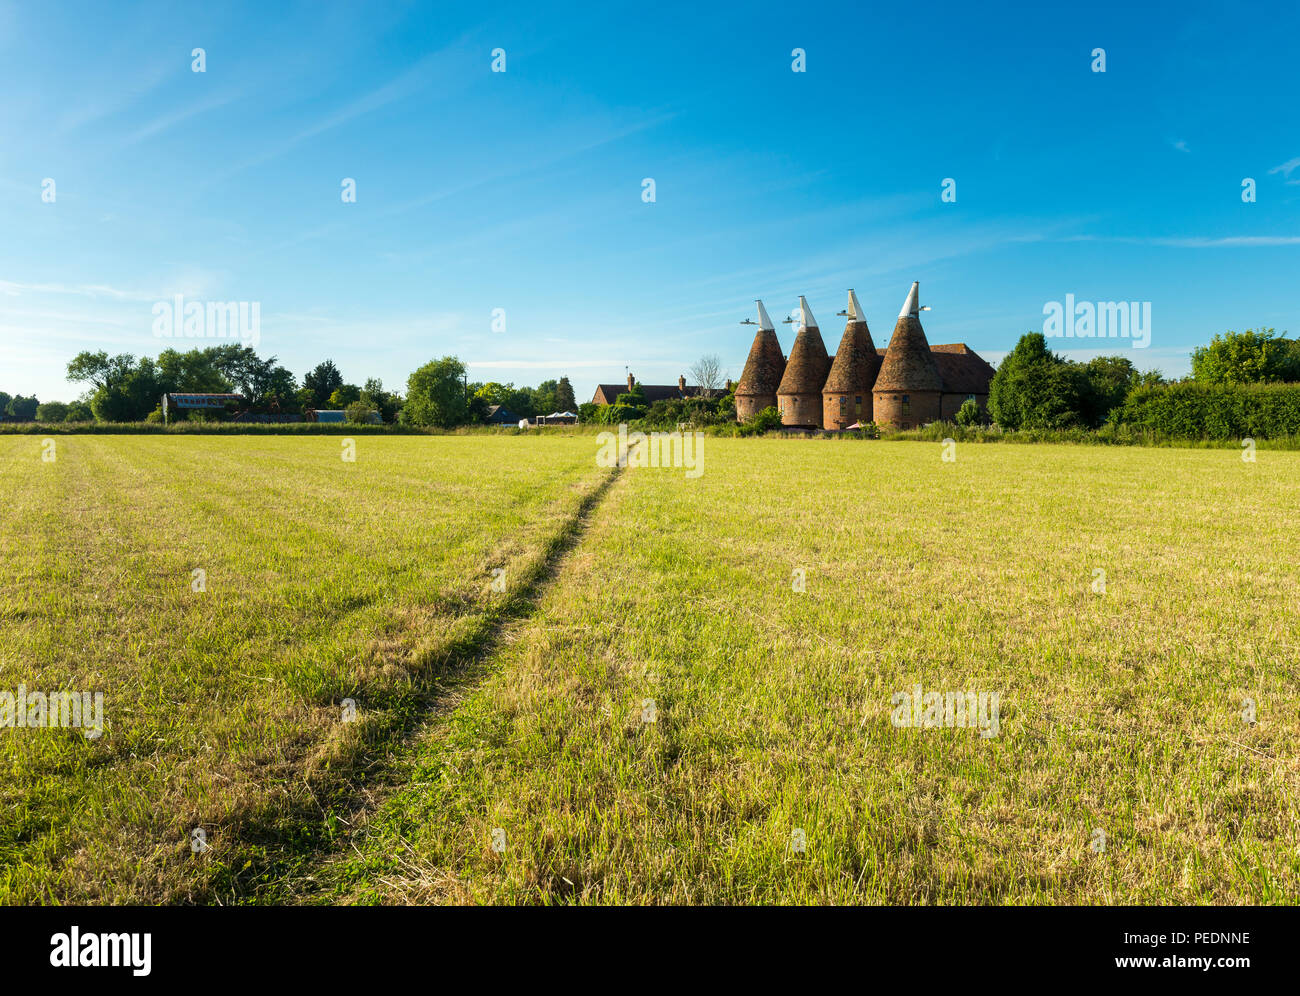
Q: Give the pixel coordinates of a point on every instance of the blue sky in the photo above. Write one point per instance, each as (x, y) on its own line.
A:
(522, 190)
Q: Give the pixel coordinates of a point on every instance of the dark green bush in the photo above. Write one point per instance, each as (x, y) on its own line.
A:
(1192, 410)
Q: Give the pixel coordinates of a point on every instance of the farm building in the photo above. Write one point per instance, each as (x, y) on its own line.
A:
(501, 415)
(182, 404)
(764, 369)
(607, 393)
(799, 395)
(325, 416)
(905, 385)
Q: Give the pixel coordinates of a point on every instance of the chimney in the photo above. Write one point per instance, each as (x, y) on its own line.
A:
(631, 382)
(730, 385)
(681, 383)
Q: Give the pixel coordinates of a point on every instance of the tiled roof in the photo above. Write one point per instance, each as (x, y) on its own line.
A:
(655, 392)
(764, 366)
(856, 361)
(962, 370)
(806, 370)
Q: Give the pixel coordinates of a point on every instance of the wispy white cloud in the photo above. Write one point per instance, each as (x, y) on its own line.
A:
(1195, 242)
(447, 68)
(191, 284)
(1286, 168)
(12, 289)
(113, 100)
(166, 121)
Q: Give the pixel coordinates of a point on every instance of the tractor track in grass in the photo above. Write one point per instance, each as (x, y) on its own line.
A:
(290, 844)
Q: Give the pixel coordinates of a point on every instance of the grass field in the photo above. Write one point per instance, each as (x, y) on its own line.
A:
(503, 750)
(324, 580)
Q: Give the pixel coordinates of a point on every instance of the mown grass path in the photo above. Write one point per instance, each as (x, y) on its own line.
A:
(1124, 769)
(323, 580)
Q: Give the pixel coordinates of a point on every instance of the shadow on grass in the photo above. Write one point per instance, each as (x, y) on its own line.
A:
(275, 844)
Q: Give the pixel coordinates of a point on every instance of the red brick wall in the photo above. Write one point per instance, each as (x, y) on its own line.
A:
(952, 402)
(800, 409)
(835, 416)
(888, 408)
(748, 405)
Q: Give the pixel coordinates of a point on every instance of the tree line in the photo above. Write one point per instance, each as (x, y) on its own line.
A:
(126, 388)
(1241, 383)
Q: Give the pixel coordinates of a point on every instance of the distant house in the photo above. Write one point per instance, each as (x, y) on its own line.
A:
(606, 394)
(501, 415)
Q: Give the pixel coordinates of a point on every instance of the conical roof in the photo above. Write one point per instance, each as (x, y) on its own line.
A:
(908, 365)
(766, 362)
(856, 362)
(809, 364)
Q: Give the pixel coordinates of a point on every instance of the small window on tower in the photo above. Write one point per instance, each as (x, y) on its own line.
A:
(907, 405)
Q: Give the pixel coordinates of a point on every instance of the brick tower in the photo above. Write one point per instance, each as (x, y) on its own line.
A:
(763, 370)
(800, 395)
(908, 388)
(846, 396)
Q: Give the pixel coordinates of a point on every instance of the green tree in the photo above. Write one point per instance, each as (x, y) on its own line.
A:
(52, 411)
(386, 403)
(4, 401)
(436, 394)
(634, 398)
(359, 412)
(1290, 367)
(564, 399)
(265, 383)
(760, 422)
(23, 409)
(1104, 383)
(124, 390)
(99, 369)
(79, 411)
(1034, 388)
(968, 414)
(542, 397)
(323, 381)
(1256, 356)
(198, 371)
(522, 402)
(344, 396)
